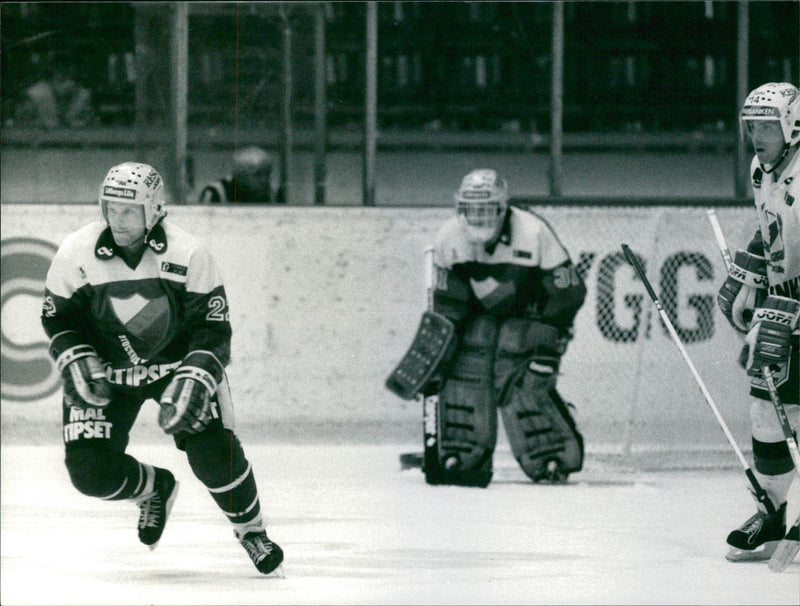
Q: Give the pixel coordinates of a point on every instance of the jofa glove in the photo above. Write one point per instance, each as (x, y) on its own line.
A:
(744, 289)
(186, 402)
(768, 343)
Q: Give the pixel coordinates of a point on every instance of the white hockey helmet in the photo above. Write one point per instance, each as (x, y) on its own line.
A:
(481, 203)
(135, 183)
(775, 101)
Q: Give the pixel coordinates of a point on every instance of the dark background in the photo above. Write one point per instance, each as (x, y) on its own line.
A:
(443, 66)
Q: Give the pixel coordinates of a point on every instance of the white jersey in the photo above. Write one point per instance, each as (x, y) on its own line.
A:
(777, 202)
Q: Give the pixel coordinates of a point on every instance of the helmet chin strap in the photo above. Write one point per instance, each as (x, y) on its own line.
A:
(786, 148)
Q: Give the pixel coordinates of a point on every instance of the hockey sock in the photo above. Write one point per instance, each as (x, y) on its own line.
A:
(219, 462)
(774, 469)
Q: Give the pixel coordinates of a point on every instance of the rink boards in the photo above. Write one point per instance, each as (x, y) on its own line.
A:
(324, 302)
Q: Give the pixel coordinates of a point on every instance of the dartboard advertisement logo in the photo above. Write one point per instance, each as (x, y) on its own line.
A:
(27, 371)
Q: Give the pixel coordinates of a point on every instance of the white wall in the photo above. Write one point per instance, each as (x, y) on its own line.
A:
(324, 301)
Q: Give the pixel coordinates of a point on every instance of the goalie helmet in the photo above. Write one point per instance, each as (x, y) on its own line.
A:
(481, 203)
(135, 183)
(775, 101)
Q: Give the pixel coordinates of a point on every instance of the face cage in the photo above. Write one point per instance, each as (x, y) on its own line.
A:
(480, 214)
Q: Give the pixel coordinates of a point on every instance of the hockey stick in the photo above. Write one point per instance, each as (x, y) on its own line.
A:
(759, 493)
(788, 548)
(723, 246)
(415, 460)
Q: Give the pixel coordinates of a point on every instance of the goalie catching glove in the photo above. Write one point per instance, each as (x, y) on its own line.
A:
(85, 382)
(744, 290)
(768, 343)
(186, 402)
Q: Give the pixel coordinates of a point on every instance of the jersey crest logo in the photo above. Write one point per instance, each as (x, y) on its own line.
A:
(144, 318)
(126, 309)
(491, 293)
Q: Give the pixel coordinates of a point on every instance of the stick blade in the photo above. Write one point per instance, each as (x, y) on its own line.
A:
(786, 551)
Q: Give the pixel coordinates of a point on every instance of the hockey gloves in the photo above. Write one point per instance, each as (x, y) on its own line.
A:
(186, 402)
(768, 341)
(85, 382)
(744, 290)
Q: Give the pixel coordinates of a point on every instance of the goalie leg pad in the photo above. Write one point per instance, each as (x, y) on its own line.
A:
(541, 430)
(465, 413)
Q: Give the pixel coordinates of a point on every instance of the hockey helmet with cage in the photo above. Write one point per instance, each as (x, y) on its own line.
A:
(775, 101)
(481, 203)
(135, 183)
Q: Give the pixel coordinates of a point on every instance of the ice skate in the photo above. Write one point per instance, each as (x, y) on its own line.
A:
(758, 537)
(155, 506)
(266, 555)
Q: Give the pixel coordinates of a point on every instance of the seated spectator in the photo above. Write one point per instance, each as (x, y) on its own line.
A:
(56, 99)
(249, 181)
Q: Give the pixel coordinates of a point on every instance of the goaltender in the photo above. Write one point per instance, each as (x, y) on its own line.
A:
(503, 304)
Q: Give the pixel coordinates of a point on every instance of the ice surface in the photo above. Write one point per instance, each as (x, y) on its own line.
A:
(358, 530)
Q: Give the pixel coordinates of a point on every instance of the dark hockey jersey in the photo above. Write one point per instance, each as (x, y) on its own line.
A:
(142, 320)
(524, 272)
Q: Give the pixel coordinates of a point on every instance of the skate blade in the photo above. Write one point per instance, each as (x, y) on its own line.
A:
(786, 552)
(277, 573)
(755, 555)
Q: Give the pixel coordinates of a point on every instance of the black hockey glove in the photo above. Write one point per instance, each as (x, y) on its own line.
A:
(744, 289)
(768, 341)
(85, 382)
(186, 402)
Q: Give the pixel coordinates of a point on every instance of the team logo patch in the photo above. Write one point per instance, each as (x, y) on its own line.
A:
(104, 252)
(172, 268)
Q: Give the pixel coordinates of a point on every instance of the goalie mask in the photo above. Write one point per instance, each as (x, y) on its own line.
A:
(135, 183)
(778, 101)
(481, 203)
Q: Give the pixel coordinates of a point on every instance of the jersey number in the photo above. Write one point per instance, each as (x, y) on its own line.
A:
(564, 277)
(218, 310)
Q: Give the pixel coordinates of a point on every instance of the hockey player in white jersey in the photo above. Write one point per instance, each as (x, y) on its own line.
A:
(761, 299)
(506, 288)
(135, 309)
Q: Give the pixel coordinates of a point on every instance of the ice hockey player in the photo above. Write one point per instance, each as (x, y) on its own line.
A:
(503, 304)
(135, 309)
(250, 179)
(761, 299)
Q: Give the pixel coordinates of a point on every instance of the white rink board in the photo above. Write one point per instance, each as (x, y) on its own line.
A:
(324, 301)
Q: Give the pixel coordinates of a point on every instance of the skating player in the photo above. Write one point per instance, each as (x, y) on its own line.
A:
(761, 298)
(135, 309)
